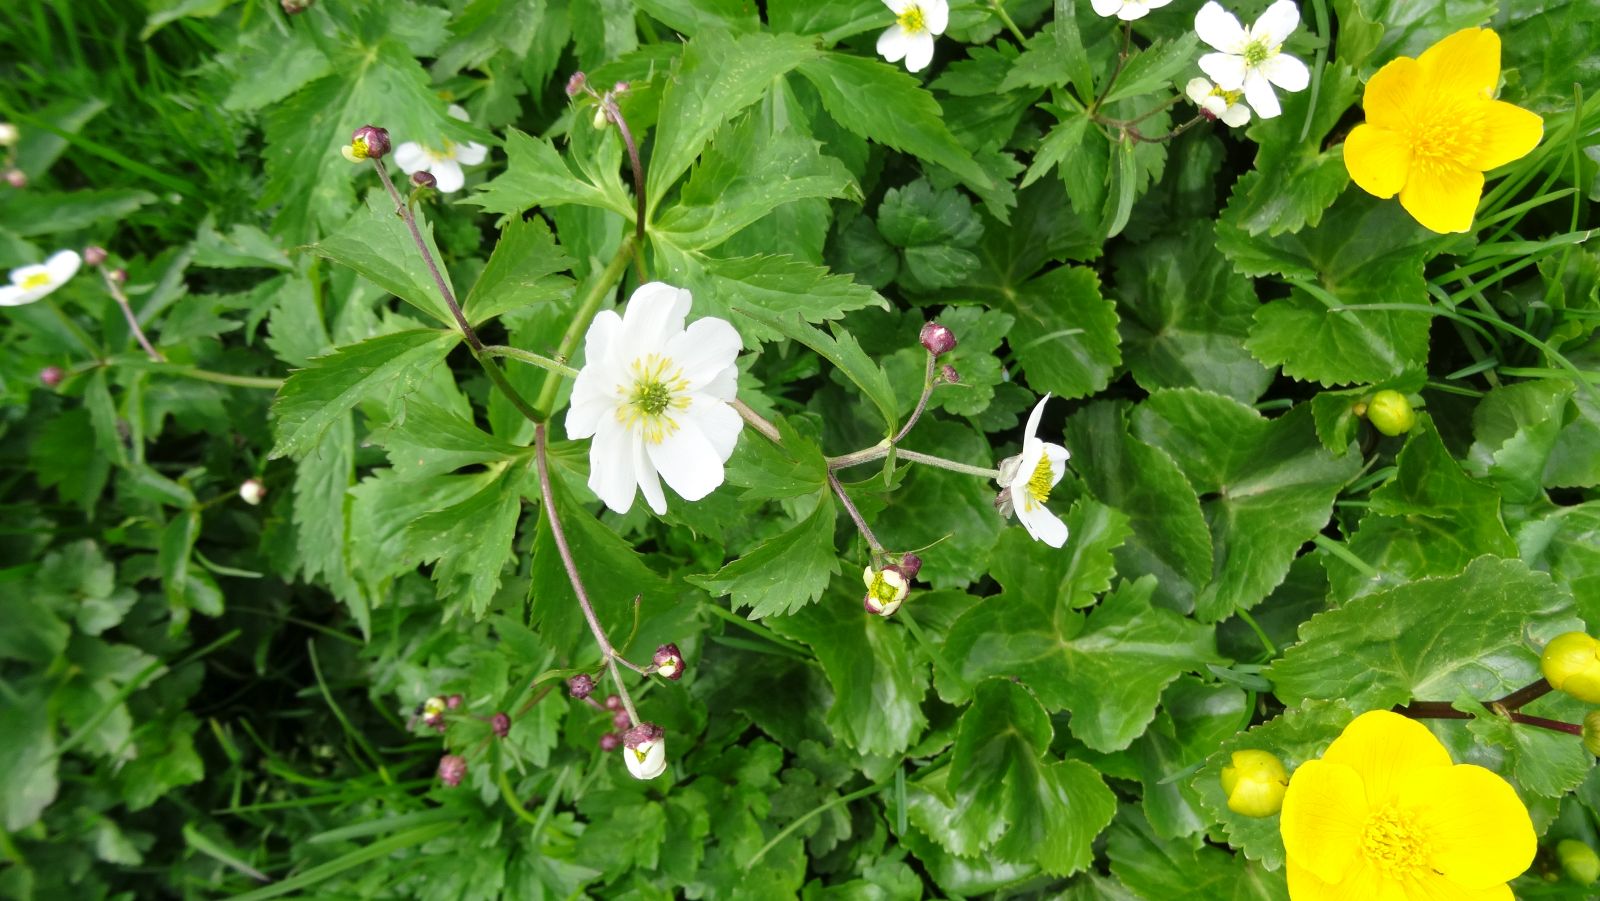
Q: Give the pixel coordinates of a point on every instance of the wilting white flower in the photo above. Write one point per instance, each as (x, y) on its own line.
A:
(1127, 10)
(1251, 59)
(1215, 103)
(444, 165)
(911, 36)
(886, 590)
(1028, 478)
(645, 751)
(30, 283)
(655, 396)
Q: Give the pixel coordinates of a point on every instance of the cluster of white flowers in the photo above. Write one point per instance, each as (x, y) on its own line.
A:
(31, 283)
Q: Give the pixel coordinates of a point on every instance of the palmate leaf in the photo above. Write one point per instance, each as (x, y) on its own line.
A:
(1066, 333)
(773, 285)
(785, 573)
(376, 243)
(537, 175)
(1174, 871)
(521, 272)
(470, 543)
(1566, 543)
(842, 350)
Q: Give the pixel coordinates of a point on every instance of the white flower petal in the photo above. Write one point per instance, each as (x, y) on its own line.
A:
(585, 411)
(1043, 525)
(13, 296)
(654, 315)
(457, 111)
(920, 52)
(1215, 105)
(1287, 72)
(448, 177)
(1219, 28)
(936, 15)
(718, 421)
(410, 157)
(1027, 462)
(687, 461)
(1258, 91)
(1032, 429)
(1226, 69)
(1106, 7)
(600, 341)
(24, 274)
(1277, 23)
(1058, 457)
(725, 387)
(703, 350)
(898, 6)
(894, 43)
(1197, 90)
(649, 481)
(611, 465)
(647, 761)
(1235, 116)
(62, 265)
(1156, 4)
(471, 153)
(1133, 9)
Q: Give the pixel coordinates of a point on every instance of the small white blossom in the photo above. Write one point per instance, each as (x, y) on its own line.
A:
(251, 491)
(1127, 10)
(645, 751)
(1215, 103)
(444, 165)
(911, 36)
(8, 134)
(656, 398)
(1028, 478)
(886, 590)
(31, 283)
(1252, 59)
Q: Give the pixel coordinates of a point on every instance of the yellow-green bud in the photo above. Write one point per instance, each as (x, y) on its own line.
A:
(1571, 663)
(1255, 783)
(1390, 412)
(1591, 732)
(1579, 861)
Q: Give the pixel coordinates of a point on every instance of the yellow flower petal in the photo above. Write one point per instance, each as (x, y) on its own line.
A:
(1478, 829)
(1324, 813)
(1509, 133)
(1362, 884)
(1433, 887)
(1465, 62)
(1378, 160)
(1383, 748)
(1391, 98)
(1442, 196)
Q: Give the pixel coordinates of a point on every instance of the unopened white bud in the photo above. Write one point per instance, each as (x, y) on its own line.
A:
(251, 491)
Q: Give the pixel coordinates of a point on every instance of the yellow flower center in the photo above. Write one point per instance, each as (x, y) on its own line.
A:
(913, 21)
(1040, 483)
(1228, 97)
(658, 388)
(882, 591)
(358, 148)
(1444, 132)
(36, 280)
(1394, 843)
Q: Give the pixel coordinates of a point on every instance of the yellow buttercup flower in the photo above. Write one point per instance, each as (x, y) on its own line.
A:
(1384, 814)
(1433, 128)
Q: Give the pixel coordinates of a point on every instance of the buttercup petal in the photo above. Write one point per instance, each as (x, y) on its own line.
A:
(1378, 160)
(471, 153)
(1042, 524)
(1443, 197)
(1426, 886)
(654, 315)
(611, 465)
(1221, 29)
(1385, 748)
(410, 157)
(1277, 23)
(1324, 814)
(894, 43)
(1479, 830)
(687, 461)
(1226, 69)
(1363, 884)
(1508, 133)
(448, 177)
(919, 51)
(936, 15)
(1259, 94)
(703, 350)
(1393, 94)
(1465, 62)
(1287, 72)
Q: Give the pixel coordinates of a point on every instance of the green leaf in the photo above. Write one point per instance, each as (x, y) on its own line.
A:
(1154, 67)
(877, 693)
(690, 17)
(1194, 719)
(430, 440)
(537, 175)
(935, 230)
(35, 212)
(776, 285)
(27, 759)
(1185, 316)
(1435, 639)
(1066, 333)
(839, 18)
(321, 514)
(470, 543)
(1566, 544)
(1270, 487)
(771, 471)
(1539, 761)
(717, 76)
(1107, 668)
(312, 399)
(842, 350)
(376, 243)
(784, 574)
(859, 93)
(1551, 44)
(1155, 868)
(980, 332)
(521, 272)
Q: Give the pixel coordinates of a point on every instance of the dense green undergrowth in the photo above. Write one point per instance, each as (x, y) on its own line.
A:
(207, 691)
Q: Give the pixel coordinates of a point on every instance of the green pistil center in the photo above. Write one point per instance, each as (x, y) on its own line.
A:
(912, 20)
(1039, 484)
(1256, 53)
(882, 591)
(651, 397)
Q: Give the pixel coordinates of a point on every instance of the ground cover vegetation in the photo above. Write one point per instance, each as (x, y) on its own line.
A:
(441, 437)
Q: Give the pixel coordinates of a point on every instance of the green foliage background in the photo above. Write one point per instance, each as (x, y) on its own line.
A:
(200, 698)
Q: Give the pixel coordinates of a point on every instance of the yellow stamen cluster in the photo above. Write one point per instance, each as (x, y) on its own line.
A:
(1228, 97)
(913, 21)
(1393, 842)
(658, 387)
(36, 280)
(1040, 483)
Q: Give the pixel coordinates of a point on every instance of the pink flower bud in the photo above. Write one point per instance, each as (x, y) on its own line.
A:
(669, 662)
(120, 276)
(621, 720)
(369, 142)
(16, 178)
(94, 255)
(610, 741)
(422, 178)
(646, 754)
(501, 724)
(949, 374)
(613, 702)
(451, 768)
(620, 87)
(909, 566)
(51, 376)
(453, 701)
(581, 686)
(576, 84)
(937, 339)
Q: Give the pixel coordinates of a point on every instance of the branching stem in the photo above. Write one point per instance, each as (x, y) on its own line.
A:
(127, 313)
(1507, 707)
(855, 516)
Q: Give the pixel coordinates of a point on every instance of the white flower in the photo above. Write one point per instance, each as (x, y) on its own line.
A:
(444, 165)
(251, 491)
(1028, 479)
(655, 396)
(1215, 103)
(911, 36)
(30, 283)
(1127, 10)
(886, 590)
(1251, 59)
(8, 134)
(645, 751)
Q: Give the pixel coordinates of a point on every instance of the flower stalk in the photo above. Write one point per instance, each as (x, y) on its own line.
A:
(1508, 707)
(114, 286)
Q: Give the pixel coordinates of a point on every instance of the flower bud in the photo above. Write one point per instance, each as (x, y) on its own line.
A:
(937, 339)
(600, 118)
(1255, 783)
(1591, 732)
(433, 712)
(8, 134)
(1578, 861)
(453, 701)
(501, 724)
(422, 178)
(646, 753)
(451, 768)
(581, 686)
(16, 178)
(367, 142)
(296, 7)
(251, 491)
(94, 255)
(621, 721)
(909, 566)
(949, 374)
(120, 276)
(620, 87)
(669, 662)
(886, 590)
(610, 741)
(1390, 412)
(613, 702)
(576, 84)
(1571, 663)
(51, 376)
